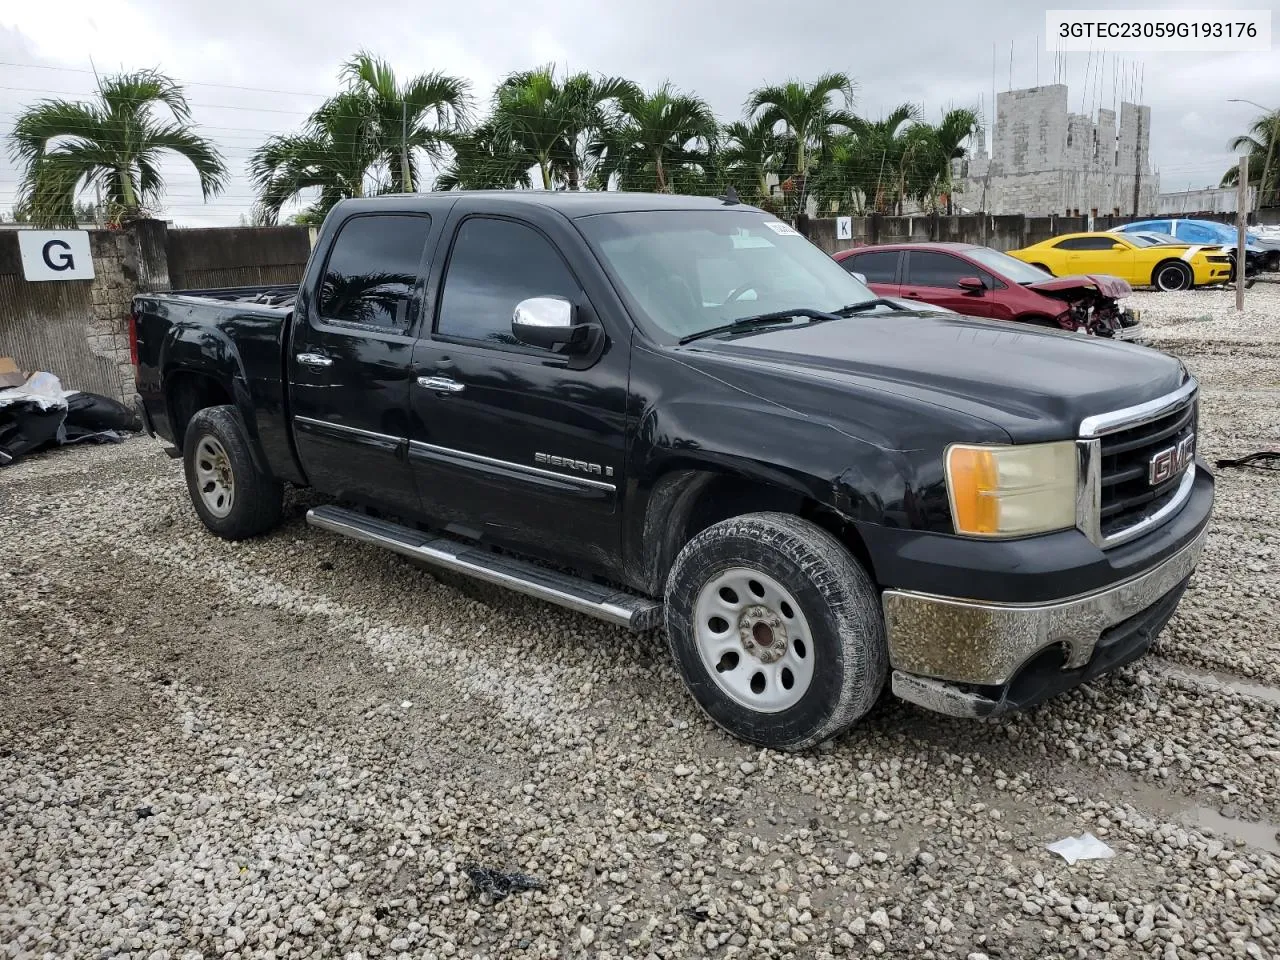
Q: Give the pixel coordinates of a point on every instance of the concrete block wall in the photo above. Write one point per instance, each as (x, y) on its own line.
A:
(110, 291)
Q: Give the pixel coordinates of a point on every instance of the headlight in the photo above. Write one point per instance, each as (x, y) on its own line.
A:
(1012, 491)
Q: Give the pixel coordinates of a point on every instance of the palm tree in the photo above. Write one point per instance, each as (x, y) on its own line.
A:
(114, 142)
(338, 152)
(552, 120)
(750, 152)
(866, 167)
(949, 139)
(651, 133)
(881, 164)
(807, 115)
(483, 161)
(1260, 144)
(587, 98)
(422, 114)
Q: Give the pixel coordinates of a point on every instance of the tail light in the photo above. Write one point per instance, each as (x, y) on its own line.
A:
(133, 339)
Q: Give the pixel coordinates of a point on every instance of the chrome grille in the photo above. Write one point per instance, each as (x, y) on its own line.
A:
(1123, 494)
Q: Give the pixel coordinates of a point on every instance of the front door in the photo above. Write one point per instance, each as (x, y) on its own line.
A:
(1106, 254)
(935, 278)
(510, 444)
(350, 364)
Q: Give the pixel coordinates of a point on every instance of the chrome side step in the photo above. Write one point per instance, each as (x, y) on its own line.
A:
(606, 603)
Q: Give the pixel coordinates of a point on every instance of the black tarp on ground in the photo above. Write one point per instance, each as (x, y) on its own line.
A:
(40, 414)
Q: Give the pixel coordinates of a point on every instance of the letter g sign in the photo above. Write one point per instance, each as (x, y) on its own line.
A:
(55, 255)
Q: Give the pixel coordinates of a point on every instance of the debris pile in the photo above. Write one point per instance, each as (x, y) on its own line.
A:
(35, 413)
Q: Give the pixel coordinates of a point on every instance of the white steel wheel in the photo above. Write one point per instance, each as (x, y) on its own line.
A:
(215, 480)
(754, 640)
(776, 630)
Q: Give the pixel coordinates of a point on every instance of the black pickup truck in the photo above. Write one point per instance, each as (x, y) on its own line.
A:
(673, 411)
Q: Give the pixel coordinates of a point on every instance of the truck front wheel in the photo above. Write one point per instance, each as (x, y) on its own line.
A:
(776, 629)
(232, 496)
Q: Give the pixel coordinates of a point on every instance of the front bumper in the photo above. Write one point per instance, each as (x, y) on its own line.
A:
(974, 658)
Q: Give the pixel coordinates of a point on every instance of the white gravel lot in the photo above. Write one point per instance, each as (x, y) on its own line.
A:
(293, 747)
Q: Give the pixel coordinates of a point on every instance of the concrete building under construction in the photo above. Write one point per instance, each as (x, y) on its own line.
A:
(1046, 159)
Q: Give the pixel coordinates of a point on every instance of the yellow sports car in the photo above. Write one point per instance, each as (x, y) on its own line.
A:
(1165, 266)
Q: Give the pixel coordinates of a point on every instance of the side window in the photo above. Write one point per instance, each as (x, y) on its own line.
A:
(927, 269)
(1195, 233)
(1087, 243)
(878, 266)
(372, 270)
(493, 266)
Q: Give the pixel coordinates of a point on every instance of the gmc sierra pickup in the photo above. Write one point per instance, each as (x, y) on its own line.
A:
(676, 411)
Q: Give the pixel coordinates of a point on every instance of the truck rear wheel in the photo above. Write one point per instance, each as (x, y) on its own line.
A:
(231, 495)
(776, 630)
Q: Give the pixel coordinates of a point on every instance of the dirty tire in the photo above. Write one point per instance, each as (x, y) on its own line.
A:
(837, 599)
(1171, 276)
(259, 498)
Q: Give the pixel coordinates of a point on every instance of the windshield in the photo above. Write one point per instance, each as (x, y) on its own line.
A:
(1218, 231)
(1152, 239)
(692, 270)
(1007, 267)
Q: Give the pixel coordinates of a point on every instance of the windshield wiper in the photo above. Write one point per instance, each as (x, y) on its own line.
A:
(852, 308)
(760, 320)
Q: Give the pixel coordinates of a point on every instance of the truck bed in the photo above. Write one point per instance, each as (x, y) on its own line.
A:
(278, 295)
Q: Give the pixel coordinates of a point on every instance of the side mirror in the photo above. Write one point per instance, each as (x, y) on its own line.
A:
(1118, 246)
(547, 322)
(971, 284)
(860, 277)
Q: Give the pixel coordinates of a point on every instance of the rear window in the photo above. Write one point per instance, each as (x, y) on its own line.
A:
(373, 270)
(878, 266)
(1087, 243)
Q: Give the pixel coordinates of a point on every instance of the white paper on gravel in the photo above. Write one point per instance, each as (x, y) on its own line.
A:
(1084, 847)
(42, 389)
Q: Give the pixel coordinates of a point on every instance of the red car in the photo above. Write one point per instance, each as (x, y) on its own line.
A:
(981, 282)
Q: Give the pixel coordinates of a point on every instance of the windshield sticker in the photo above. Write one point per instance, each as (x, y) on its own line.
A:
(781, 229)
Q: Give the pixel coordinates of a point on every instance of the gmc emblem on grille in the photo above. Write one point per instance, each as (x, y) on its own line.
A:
(1171, 461)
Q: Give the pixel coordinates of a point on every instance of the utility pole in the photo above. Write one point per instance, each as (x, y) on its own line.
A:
(1271, 146)
(406, 174)
(1242, 220)
(1137, 163)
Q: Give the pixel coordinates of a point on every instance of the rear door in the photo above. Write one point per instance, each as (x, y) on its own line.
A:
(512, 444)
(350, 366)
(880, 267)
(934, 277)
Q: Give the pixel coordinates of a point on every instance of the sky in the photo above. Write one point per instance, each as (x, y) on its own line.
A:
(253, 68)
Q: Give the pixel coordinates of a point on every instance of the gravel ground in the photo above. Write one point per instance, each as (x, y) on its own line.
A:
(295, 746)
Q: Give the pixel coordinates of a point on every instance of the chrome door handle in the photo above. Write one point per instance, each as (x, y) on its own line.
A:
(441, 384)
(314, 360)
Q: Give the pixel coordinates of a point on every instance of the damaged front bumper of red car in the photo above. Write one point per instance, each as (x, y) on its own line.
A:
(1094, 304)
